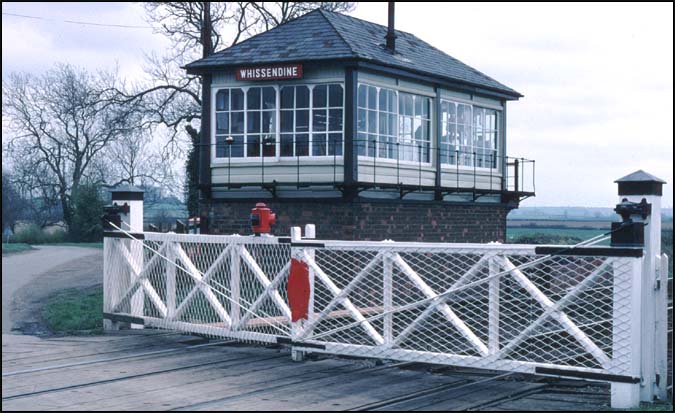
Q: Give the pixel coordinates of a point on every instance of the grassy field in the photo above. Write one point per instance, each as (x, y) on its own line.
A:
(75, 311)
(10, 248)
(583, 234)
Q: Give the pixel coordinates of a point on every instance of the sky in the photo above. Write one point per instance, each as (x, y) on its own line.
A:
(597, 79)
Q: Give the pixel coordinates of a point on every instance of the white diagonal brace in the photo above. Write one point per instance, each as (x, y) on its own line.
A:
(144, 282)
(262, 297)
(141, 280)
(554, 309)
(441, 305)
(205, 289)
(561, 317)
(132, 289)
(341, 297)
(207, 276)
(276, 297)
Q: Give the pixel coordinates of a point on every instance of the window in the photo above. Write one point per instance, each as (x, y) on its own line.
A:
(414, 123)
(393, 125)
(294, 125)
(261, 113)
(327, 120)
(469, 135)
(230, 123)
(367, 120)
(310, 121)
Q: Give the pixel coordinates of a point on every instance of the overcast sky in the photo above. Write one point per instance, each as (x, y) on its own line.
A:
(597, 79)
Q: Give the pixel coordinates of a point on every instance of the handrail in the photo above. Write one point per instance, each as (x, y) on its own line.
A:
(512, 174)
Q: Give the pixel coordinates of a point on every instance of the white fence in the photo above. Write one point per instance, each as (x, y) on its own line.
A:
(564, 312)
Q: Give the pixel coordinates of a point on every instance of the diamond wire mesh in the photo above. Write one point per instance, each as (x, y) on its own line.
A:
(487, 317)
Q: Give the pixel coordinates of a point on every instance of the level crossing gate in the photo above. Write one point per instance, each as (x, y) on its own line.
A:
(573, 312)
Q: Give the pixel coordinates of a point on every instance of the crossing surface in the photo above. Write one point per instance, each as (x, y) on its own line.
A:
(160, 370)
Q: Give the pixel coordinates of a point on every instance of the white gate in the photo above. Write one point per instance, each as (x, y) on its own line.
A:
(503, 307)
(546, 310)
(227, 286)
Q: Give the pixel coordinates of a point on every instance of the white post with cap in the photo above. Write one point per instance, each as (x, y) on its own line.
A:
(635, 187)
(132, 223)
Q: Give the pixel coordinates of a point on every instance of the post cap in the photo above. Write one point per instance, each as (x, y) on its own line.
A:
(127, 193)
(640, 183)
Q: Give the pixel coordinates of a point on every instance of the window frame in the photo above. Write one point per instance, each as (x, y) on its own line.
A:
(225, 160)
(498, 133)
(397, 91)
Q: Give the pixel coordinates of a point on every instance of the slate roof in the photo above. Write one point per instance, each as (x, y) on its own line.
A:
(640, 176)
(321, 35)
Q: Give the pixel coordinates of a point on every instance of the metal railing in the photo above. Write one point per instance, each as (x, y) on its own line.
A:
(476, 170)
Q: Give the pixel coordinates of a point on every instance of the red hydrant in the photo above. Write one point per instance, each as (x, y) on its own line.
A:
(262, 218)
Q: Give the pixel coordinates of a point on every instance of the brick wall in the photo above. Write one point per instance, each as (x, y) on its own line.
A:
(371, 220)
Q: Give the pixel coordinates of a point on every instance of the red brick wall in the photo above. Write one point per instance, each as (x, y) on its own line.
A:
(371, 220)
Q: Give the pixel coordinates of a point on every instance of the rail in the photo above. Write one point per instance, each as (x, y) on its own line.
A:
(406, 166)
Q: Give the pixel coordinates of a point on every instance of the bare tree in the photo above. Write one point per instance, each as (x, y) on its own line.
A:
(173, 98)
(12, 203)
(61, 123)
(136, 160)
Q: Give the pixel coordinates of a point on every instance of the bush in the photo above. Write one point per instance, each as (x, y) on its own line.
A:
(87, 207)
(33, 234)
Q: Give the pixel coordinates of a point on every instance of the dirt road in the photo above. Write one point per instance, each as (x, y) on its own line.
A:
(30, 277)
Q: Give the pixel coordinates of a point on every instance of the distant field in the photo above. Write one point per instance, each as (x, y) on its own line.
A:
(536, 224)
(582, 234)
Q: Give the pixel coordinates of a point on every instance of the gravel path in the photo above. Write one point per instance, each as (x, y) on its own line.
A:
(30, 277)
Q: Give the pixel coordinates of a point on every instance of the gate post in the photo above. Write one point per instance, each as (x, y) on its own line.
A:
(132, 222)
(626, 330)
(636, 187)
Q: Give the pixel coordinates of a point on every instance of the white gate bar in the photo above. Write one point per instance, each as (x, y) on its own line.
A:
(493, 307)
(171, 280)
(207, 276)
(235, 283)
(262, 297)
(554, 309)
(141, 280)
(421, 356)
(440, 304)
(562, 318)
(210, 329)
(260, 275)
(206, 290)
(388, 298)
(341, 297)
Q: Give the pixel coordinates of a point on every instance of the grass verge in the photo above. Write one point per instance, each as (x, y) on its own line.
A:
(75, 311)
(11, 248)
(77, 244)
